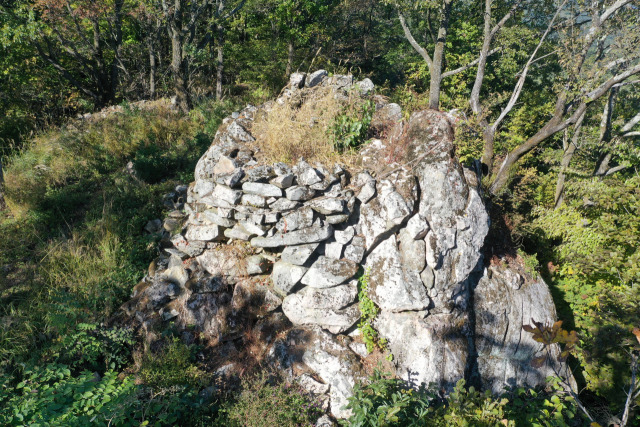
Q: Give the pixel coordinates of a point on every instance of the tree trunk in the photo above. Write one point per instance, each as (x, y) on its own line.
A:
(287, 71)
(220, 62)
(180, 74)
(569, 151)
(153, 67)
(438, 56)
(3, 204)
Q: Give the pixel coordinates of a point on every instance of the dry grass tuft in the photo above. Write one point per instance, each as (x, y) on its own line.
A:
(302, 127)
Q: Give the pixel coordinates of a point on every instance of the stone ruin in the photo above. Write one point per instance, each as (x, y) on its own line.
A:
(260, 261)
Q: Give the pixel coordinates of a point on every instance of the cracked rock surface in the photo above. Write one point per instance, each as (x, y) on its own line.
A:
(274, 251)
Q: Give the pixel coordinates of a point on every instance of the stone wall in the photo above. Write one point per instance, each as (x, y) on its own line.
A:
(263, 258)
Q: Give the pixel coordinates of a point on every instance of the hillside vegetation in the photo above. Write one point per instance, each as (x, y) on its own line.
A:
(106, 107)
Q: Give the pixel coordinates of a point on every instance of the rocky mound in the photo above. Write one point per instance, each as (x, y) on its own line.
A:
(261, 261)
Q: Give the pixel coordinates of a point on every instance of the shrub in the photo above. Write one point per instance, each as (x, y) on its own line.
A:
(94, 347)
(267, 401)
(172, 366)
(386, 401)
(315, 130)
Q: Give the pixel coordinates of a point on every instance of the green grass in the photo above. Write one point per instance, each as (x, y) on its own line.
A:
(73, 246)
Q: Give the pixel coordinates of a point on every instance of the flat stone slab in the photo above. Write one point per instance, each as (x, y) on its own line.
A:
(328, 272)
(301, 218)
(204, 232)
(327, 205)
(300, 254)
(314, 234)
(259, 189)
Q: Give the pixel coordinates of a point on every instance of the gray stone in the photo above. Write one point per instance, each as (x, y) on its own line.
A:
(355, 251)
(417, 227)
(392, 286)
(231, 179)
(176, 274)
(344, 236)
(426, 350)
(336, 365)
(259, 174)
(314, 79)
(327, 272)
(300, 254)
(253, 228)
(322, 307)
(282, 169)
(222, 263)
(333, 250)
(283, 181)
(504, 348)
(298, 237)
(367, 187)
(365, 86)
(412, 252)
(226, 194)
(284, 205)
(387, 115)
(306, 174)
(327, 205)
(225, 166)
(238, 232)
(257, 264)
(308, 383)
(296, 80)
(301, 218)
(254, 200)
(171, 225)
(192, 248)
(204, 232)
(239, 133)
(337, 219)
(272, 217)
(340, 81)
(213, 217)
(259, 189)
(285, 276)
(299, 193)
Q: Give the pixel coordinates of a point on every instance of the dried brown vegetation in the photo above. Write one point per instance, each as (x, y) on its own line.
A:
(302, 126)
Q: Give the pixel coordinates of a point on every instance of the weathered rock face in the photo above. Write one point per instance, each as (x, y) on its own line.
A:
(503, 302)
(264, 258)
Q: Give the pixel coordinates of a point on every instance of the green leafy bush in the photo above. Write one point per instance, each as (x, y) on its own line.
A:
(95, 347)
(350, 129)
(386, 401)
(172, 366)
(267, 401)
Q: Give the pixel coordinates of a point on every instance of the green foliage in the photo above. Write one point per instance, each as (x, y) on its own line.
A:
(368, 313)
(266, 401)
(94, 348)
(51, 395)
(172, 366)
(531, 264)
(350, 129)
(385, 401)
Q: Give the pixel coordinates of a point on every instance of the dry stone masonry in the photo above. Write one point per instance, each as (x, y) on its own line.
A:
(276, 250)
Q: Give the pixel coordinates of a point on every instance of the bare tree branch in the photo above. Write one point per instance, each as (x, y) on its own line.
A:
(413, 42)
(466, 67)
